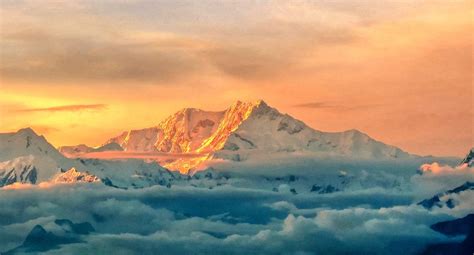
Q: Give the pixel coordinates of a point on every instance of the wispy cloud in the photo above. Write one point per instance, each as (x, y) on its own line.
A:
(335, 106)
(66, 108)
(316, 105)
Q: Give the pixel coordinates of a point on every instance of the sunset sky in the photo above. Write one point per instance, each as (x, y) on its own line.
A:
(84, 71)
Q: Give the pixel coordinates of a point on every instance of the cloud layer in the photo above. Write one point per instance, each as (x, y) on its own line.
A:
(232, 220)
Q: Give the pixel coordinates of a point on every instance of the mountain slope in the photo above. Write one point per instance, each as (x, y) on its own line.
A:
(469, 159)
(183, 131)
(267, 129)
(25, 150)
(74, 176)
(21, 169)
(26, 157)
(243, 129)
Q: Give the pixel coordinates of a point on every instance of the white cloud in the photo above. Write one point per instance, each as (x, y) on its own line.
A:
(233, 220)
(436, 178)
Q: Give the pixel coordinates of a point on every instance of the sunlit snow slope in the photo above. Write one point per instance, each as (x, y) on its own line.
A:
(243, 129)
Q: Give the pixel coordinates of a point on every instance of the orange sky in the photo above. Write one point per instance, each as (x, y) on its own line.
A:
(83, 71)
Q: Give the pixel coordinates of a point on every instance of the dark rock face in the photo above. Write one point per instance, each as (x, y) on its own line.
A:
(315, 188)
(293, 191)
(25, 174)
(108, 182)
(324, 190)
(284, 125)
(469, 159)
(8, 178)
(231, 147)
(250, 143)
(29, 176)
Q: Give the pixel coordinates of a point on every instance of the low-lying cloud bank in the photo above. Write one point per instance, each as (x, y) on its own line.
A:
(230, 219)
(134, 222)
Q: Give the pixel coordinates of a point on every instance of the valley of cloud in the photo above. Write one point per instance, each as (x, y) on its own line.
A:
(250, 219)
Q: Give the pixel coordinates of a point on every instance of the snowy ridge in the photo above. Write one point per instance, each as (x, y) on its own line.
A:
(189, 130)
(74, 176)
(449, 198)
(28, 158)
(76, 150)
(469, 159)
(20, 170)
(183, 131)
(246, 128)
(233, 118)
(26, 150)
(26, 142)
(131, 173)
(266, 129)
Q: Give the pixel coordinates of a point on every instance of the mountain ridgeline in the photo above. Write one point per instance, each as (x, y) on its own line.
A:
(243, 131)
(27, 158)
(249, 127)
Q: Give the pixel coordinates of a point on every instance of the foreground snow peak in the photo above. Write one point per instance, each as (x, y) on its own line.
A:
(29, 159)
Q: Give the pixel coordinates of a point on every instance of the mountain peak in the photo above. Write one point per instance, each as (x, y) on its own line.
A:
(246, 127)
(243, 110)
(469, 159)
(187, 110)
(27, 131)
(256, 103)
(25, 142)
(260, 102)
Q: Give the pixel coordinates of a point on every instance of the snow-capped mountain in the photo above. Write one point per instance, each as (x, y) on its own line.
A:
(130, 173)
(21, 169)
(26, 142)
(469, 159)
(247, 128)
(26, 157)
(266, 129)
(74, 176)
(184, 131)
